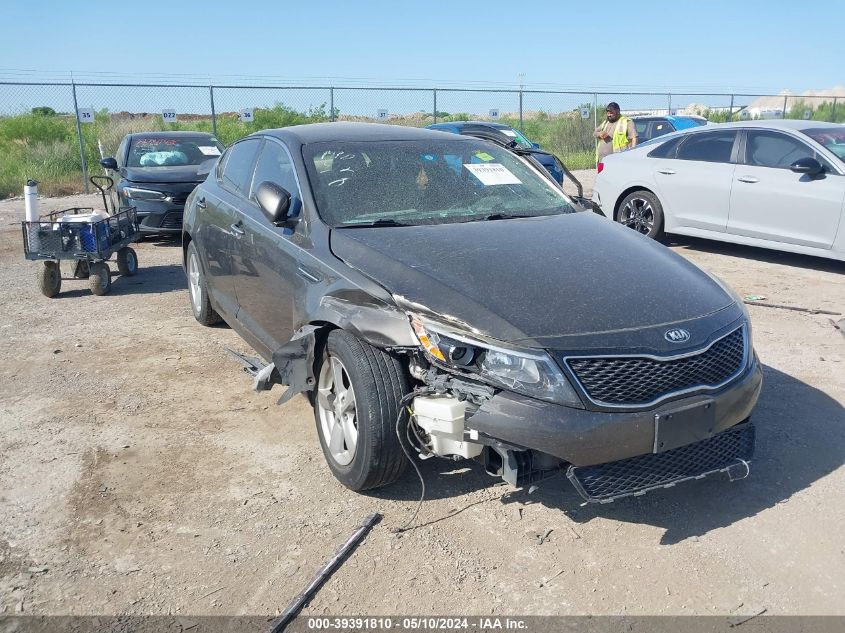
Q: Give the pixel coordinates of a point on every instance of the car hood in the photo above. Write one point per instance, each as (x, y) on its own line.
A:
(521, 280)
(186, 173)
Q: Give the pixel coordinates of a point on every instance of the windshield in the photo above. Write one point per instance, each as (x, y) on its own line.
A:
(163, 151)
(833, 138)
(431, 182)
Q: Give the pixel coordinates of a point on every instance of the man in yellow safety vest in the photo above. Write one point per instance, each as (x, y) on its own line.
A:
(615, 134)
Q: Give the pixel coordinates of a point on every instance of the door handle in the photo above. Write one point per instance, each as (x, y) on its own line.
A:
(668, 172)
(748, 179)
(237, 231)
(201, 203)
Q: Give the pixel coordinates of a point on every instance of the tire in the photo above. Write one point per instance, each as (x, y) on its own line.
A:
(50, 279)
(378, 382)
(80, 269)
(642, 211)
(99, 279)
(127, 262)
(197, 291)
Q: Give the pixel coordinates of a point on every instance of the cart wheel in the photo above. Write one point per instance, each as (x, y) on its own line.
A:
(100, 278)
(80, 270)
(127, 261)
(50, 279)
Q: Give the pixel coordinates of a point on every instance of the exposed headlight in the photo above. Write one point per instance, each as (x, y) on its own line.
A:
(532, 374)
(133, 193)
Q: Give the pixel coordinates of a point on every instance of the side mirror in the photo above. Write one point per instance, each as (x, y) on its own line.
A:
(807, 165)
(109, 163)
(275, 203)
(535, 145)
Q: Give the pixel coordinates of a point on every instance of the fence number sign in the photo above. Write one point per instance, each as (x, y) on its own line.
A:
(85, 115)
(585, 113)
(246, 115)
(494, 113)
(169, 116)
(381, 114)
(806, 115)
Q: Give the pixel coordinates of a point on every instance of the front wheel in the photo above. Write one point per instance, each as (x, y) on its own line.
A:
(642, 211)
(50, 279)
(357, 404)
(99, 278)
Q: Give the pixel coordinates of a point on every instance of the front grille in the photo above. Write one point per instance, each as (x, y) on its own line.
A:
(639, 381)
(172, 220)
(179, 199)
(637, 475)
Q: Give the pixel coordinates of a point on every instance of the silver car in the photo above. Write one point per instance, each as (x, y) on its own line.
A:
(773, 184)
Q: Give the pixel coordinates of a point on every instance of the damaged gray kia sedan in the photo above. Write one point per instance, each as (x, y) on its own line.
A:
(437, 295)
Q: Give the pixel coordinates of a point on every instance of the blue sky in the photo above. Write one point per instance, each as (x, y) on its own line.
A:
(678, 46)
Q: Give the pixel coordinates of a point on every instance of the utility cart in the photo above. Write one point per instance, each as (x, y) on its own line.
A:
(87, 239)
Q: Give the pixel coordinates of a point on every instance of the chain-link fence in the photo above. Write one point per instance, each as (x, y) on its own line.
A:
(57, 132)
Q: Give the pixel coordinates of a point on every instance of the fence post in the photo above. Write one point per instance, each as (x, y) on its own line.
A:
(435, 104)
(213, 113)
(784, 107)
(833, 112)
(521, 124)
(731, 110)
(595, 110)
(79, 137)
(669, 95)
(331, 104)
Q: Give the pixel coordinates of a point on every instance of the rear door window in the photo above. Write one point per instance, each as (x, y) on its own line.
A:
(711, 147)
(237, 171)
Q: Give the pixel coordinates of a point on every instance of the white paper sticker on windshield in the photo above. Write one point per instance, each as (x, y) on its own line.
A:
(209, 150)
(508, 132)
(493, 174)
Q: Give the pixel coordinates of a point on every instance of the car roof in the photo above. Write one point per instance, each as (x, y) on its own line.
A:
(459, 124)
(783, 124)
(353, 131)
(170, 134)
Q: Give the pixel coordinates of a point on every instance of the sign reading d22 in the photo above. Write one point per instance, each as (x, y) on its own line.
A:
(169, 116)
(246, 115)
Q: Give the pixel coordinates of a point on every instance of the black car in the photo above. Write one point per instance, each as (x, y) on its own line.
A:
(157, 172)
(382, 269)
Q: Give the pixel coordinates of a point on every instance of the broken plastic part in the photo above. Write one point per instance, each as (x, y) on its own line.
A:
(294, 364)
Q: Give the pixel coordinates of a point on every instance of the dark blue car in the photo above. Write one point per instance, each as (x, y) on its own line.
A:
(546, 159)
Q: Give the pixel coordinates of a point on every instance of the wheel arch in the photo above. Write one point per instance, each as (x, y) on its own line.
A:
(629, 190)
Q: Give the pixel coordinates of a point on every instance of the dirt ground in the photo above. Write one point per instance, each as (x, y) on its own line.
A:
(140, 474)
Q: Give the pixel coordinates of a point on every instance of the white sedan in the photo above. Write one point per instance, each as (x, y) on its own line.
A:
(774, 184)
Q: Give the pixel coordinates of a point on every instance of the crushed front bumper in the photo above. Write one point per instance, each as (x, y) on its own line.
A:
(652, 444)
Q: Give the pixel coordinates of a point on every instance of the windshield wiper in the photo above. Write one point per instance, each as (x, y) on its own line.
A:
(379, 222)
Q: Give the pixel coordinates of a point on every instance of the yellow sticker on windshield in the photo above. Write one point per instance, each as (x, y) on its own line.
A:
(483, 156)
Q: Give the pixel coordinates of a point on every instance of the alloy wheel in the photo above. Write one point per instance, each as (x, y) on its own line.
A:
(638, 214)
(337, 411)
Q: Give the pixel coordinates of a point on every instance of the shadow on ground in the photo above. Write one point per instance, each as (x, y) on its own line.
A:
(149, 280)
(800, 439)
(758, 254)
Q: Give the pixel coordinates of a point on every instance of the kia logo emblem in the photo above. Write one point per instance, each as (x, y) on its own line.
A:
(677, 336)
